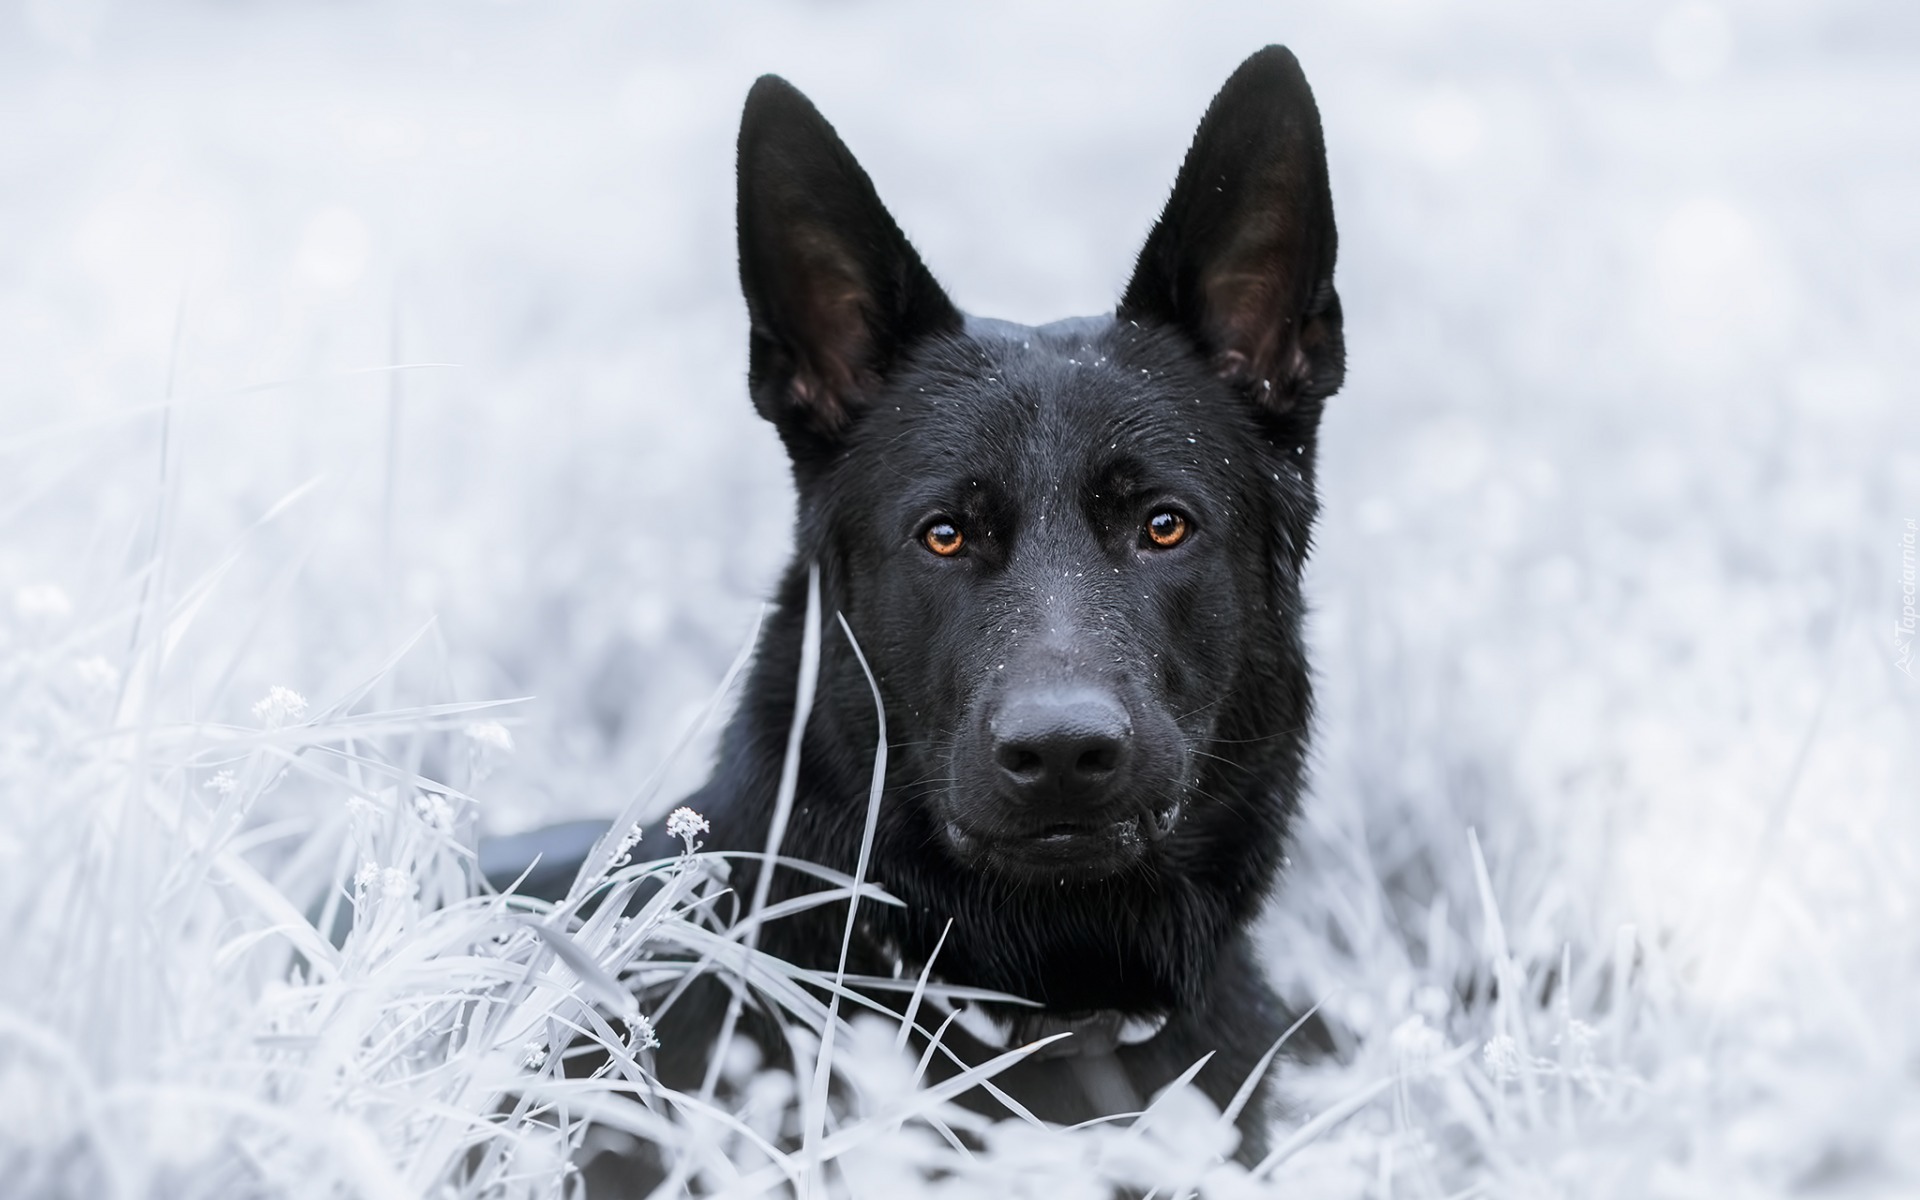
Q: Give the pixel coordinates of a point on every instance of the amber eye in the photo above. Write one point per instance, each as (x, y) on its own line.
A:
(1166, 528)
(943, 539)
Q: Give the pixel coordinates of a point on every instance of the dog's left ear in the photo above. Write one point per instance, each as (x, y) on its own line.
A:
(1242, 258)
(834, 291)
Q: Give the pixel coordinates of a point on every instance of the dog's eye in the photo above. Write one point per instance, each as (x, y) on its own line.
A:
(1167, 528)
(943, 539)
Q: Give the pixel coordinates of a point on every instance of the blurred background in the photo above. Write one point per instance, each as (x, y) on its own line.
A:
(1610, 567)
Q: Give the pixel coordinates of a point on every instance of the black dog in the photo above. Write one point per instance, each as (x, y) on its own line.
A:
(1072, 555)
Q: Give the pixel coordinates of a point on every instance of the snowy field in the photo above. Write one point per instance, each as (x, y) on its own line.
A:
(391, 355)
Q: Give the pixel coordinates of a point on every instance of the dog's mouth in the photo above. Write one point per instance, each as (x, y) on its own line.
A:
(1064, 849)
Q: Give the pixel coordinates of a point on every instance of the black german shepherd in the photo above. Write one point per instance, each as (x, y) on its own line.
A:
(1072, 555)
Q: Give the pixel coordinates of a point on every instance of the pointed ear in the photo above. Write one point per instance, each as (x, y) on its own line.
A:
(1242, 258)
(834, 292)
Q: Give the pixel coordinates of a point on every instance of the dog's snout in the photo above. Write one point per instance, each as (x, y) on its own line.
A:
(1070, 745)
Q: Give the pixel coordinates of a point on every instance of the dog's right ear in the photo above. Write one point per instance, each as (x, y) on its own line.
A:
(834, 291)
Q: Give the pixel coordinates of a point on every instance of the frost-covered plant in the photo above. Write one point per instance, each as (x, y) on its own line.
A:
(257, 958)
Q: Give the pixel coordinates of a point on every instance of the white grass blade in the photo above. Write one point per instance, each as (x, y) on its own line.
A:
(816, 1110)
(923, 1102)
(1317, 1128)
(1243, 1095)
(804, 691)
(920, 991)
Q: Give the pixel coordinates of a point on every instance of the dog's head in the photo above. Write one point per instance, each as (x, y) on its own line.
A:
(1071, 553)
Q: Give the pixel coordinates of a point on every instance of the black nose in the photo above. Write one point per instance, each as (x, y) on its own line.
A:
(1070, 745)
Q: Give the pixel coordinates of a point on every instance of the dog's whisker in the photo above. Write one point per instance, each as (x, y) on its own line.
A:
(1265, 737)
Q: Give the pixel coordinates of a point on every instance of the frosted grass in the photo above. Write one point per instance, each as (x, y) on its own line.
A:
(205, 1000)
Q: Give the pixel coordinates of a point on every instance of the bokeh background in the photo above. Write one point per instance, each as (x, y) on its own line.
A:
(1610, 567)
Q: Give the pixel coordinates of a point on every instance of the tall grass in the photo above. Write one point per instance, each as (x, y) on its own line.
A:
(257, 959)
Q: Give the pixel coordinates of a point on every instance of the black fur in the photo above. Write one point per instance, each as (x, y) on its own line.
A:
(1124, 880)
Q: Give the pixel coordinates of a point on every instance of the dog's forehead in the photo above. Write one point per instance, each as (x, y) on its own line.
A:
(1068, 393)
